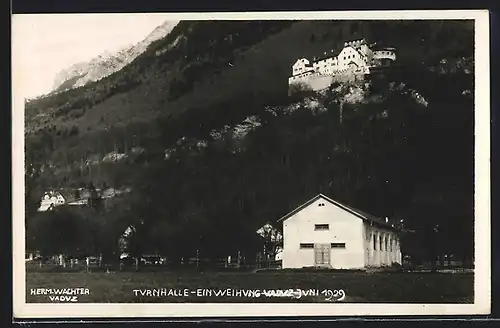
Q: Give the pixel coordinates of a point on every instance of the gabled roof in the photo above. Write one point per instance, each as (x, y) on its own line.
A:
(304, 61)
(70, 194)
(355, 49)
(360, 214)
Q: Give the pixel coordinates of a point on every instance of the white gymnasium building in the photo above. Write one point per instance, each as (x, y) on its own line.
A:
(325, 233)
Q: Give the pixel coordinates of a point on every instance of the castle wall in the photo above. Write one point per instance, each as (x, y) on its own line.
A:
(319, 82)
(384, 54)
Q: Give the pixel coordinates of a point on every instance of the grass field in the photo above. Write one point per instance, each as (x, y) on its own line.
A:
(384, 287)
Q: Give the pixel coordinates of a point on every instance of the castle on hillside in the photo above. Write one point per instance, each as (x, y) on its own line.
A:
(356, 60)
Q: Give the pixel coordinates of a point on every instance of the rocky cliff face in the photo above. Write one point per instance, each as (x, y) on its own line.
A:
(107, 63)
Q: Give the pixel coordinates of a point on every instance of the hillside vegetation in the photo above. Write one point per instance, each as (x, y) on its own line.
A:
(215, 148)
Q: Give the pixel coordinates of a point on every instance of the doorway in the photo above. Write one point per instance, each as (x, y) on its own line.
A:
(322, 255)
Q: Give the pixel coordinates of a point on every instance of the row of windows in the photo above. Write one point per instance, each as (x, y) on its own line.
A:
(332, 63)
(325, 62)
(383, 245)
(332, 245)
(321, 227)
(385, 52)
(387, 246)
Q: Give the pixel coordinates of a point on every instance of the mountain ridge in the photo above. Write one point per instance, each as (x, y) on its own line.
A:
(104, 64)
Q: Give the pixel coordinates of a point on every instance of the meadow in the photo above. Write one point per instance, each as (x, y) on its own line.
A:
(359, 287)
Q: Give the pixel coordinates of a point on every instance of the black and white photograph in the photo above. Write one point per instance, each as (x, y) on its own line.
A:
(243, 164)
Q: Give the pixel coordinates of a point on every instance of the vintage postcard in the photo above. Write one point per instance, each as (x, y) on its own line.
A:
(251, 164)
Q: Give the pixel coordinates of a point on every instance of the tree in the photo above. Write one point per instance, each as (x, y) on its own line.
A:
(33, 189)
(273, 238)
(95, 200)
(33, 181)
(63, 230)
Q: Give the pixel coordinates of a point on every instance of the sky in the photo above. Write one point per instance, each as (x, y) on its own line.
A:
(45, 44)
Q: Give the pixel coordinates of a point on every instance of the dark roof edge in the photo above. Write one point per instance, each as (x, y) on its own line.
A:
(309, 202)
(342, 206)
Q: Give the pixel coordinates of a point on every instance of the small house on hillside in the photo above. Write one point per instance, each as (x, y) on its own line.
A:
(77, 196)
(51, 199)
(64, 196)
(326, 233)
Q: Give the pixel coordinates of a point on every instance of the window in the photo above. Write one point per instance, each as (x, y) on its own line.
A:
(338, 245)
(321, 227)
(374, 242)
(306, 245)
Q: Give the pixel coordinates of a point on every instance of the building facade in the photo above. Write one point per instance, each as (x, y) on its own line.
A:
(51, 199)
(325, 233)
(354, 61)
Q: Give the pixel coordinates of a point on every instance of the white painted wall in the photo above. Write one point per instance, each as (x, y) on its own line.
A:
(314, 81)
(349, 54)
(320, 82)
(301, 65)
(365, 50)
(326, 66)
(343, 228)
(384, 54)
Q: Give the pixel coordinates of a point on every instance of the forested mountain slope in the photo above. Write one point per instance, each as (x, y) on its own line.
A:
(213, 147)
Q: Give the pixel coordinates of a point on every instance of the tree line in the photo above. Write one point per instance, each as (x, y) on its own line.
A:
(413, 163)
(389, 156)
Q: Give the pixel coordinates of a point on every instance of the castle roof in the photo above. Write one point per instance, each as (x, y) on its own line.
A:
(355, 43)
(384, 48)
(318, 59)
(302, 60)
